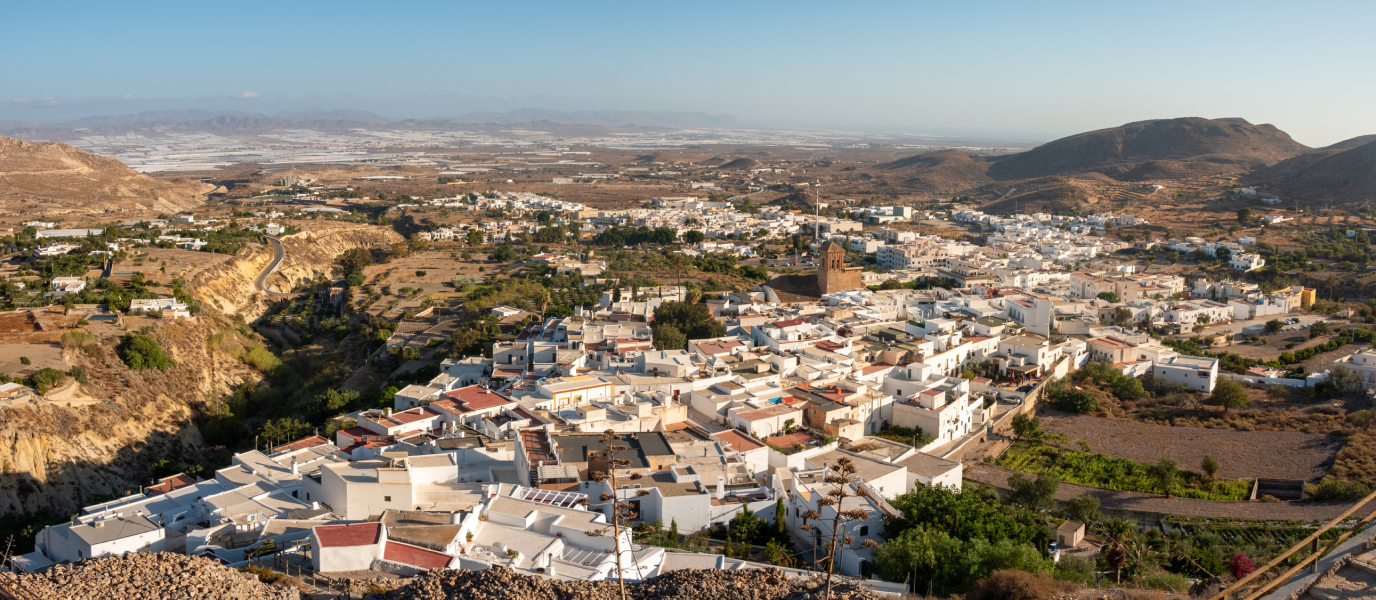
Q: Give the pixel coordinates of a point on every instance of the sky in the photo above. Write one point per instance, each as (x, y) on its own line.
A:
(1016, 70)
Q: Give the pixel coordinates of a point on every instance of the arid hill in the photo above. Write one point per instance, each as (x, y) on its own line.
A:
(741, 164)
(56, 178)
(1360, 140)
(1152, 149)
(1339, 176)
(941, 172)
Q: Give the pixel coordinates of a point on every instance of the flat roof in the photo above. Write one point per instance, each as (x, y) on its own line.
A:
(339, 536)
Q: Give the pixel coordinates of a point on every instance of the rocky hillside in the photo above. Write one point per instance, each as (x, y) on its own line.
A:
(229, 286)
(942, 171)
(500, 583)
(1167, 147)
(57, 178)
(102, 439)
(138, 576)
(1338, 176)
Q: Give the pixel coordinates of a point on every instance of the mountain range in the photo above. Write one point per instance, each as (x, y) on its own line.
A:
(1064, 173)
(219, 121)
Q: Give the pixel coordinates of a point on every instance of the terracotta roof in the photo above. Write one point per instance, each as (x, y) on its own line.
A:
(789, 323)
(167, 484)
(767, 412)
(476, 397)
(415, 556)
(340, 536)
(413, 415)
(737, 441)
(875, 368)
(302, 444)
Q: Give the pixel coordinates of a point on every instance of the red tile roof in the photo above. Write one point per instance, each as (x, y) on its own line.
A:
(340, 536)
(789, 323)
(476, 397)
(413, 415)
(415, 556)
(356, 433)
(167, 484)
(828, 345)
(737, 441)
(302, 444)
(874, 368)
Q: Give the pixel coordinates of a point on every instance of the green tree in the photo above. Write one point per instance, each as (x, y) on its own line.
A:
(1244, 214)
(668, 337)
(1027, 427)
(475, 237)
(354, 260)
(503, 253)
(1274, 326)
(284, 430)
(693, 236)
(1034, 494)
(139, 351)
(46, 379)
(1229, 394)
(1209, 466)
(1166, 475)
(1084, 509)
(334, 401)
(1109, 297)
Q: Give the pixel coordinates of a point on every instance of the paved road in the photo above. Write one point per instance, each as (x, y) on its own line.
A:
(278, 255)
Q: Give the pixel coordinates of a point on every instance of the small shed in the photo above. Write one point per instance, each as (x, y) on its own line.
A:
(1070, 534)
(10, 390)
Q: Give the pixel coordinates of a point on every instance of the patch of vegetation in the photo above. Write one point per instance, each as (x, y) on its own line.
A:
(140, 351)
(1103, 471)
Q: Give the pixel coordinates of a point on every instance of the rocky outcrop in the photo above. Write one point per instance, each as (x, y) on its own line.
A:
(102, 439)
(500, 583)
(229, 286)
(47, 177)
(160, 576)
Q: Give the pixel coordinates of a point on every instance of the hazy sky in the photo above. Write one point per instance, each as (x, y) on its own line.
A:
(1022, 70)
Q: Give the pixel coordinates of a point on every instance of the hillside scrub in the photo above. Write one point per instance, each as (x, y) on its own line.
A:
(1111, 473)
(143, 352)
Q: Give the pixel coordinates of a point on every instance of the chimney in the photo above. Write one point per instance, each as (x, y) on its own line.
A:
(721, 487)
(389, 412)
(455, 518)
(295, 470)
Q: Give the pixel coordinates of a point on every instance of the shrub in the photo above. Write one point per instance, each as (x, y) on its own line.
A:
(1078, 401)
(1015, 585)
(139, 351)
(25, 360)
(420, 273)
(76, 339)
(46, 379)
(259, 358)
(78, 373)
(1337, 491)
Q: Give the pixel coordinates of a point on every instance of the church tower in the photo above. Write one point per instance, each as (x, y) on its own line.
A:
(832, 273)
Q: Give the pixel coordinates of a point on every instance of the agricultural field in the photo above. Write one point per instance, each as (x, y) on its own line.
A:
(1099, 470)
(1240, 454)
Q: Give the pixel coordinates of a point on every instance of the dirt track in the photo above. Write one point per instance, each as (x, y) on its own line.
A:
(1273, 454)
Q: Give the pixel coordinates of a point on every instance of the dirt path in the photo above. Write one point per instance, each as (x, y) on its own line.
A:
(1271, 454)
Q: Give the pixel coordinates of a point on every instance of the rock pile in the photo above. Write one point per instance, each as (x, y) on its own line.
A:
(139, 576)
(500, 583)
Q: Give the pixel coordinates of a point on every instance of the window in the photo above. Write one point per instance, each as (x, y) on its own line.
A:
(386, 498)
(864, 530)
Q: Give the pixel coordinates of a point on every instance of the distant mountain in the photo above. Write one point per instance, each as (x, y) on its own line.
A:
(1165, 148)
(317, 114)
(615, 118)
(1339, 176)
(1360, 140)
(156, 116)
(741, 164)
(51, 177)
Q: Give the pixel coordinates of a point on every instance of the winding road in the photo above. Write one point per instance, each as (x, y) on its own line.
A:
(278, 255)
